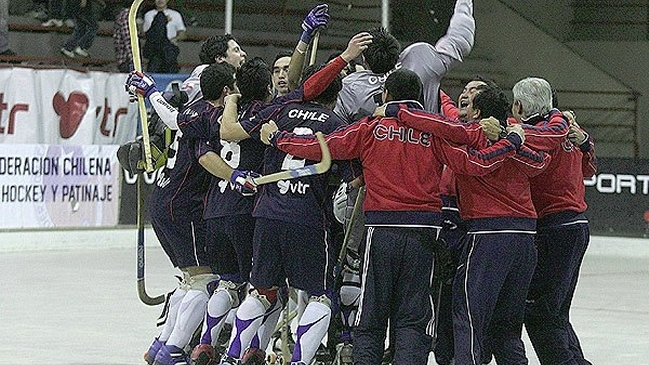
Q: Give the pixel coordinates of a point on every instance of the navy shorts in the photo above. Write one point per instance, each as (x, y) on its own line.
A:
(182, 238)
(301, 254)
(229, 244)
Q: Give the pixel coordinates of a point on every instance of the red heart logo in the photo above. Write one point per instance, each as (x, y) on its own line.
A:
(70, 111)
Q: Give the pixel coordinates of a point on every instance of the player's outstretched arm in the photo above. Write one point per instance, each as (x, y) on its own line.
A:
(549, 134)
(581, 139)
(465, 160)
(143, 84)
(315, 20)
(319, 81)
(345, 143)
(240, 180)
(230, 129)
(453, 130)
(460, 36)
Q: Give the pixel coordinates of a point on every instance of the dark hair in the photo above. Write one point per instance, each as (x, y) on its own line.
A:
(492, 102)
(282, 54)
(351, 65)
(253, 79)
(331, 92)
(484, 79)
(214, 78)
(383, 53)
(213, 47)
(403, 85)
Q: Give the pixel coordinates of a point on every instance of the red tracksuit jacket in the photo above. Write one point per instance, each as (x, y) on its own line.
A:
(401, 166)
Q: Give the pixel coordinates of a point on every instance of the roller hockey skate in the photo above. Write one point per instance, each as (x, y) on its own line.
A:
(323, 356)
(227, 360)
(149, 356)
(203, 355)
(273, 359)
(171, 355)
(253, 356)
(343, 354)
(276, 357)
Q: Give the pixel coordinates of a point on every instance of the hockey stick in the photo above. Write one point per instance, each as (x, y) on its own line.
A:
(314, 48)
(284, 334)
(141, 287)
(292, 314)
(315, 169)
(355, 225)
(137, 65)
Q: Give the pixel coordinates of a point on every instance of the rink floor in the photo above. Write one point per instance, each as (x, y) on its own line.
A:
(70, 298)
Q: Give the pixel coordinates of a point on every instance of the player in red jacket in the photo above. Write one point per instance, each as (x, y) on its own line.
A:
(562, 231)
(499, 255)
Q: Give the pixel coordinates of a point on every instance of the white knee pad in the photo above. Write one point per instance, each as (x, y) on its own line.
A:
(340, 202)
(236, 291)
(262, 298)
(184, 281)
(203, 282)
(322, 299)
(350, 290)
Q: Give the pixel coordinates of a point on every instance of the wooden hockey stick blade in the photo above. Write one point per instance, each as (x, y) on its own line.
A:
(285, 321)
(315, 169)
(141, 287)
(137, 65)
(145, 298)
(284, 337)
(314, 48)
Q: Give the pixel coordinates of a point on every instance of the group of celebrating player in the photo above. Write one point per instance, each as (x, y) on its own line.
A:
(472, 222)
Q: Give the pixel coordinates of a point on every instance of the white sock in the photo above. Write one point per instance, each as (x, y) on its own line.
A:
(174, 304)
(310, 332)
(190, 314)
(248, 319)
(265, 331)
(217, 310)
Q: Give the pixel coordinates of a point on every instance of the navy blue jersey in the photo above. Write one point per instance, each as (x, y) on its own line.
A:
(222, 199)
(300, 200)
(183, 182)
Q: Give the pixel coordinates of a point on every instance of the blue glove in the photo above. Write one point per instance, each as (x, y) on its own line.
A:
(242, 181)
(317, 18)
(141, 83)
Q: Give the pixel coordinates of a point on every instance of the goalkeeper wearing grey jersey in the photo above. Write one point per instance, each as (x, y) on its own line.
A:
(361, 90)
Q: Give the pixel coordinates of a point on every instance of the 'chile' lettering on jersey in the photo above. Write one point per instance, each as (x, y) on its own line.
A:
(309, 115)
(402, 134)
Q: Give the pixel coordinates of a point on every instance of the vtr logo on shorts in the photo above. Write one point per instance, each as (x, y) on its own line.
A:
(297, 187)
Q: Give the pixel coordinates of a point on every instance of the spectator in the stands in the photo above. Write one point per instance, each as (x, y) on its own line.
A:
(85, 28)
(38, 10)
(164, 28)
(122, 40)
(58, 15)
(5, 50)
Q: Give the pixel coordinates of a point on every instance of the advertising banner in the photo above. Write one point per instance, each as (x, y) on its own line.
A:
(618, 197)
(64, 107)
(58, 186)
(67, 107)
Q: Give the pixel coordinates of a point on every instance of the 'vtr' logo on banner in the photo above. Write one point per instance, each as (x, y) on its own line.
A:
(71, 111)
